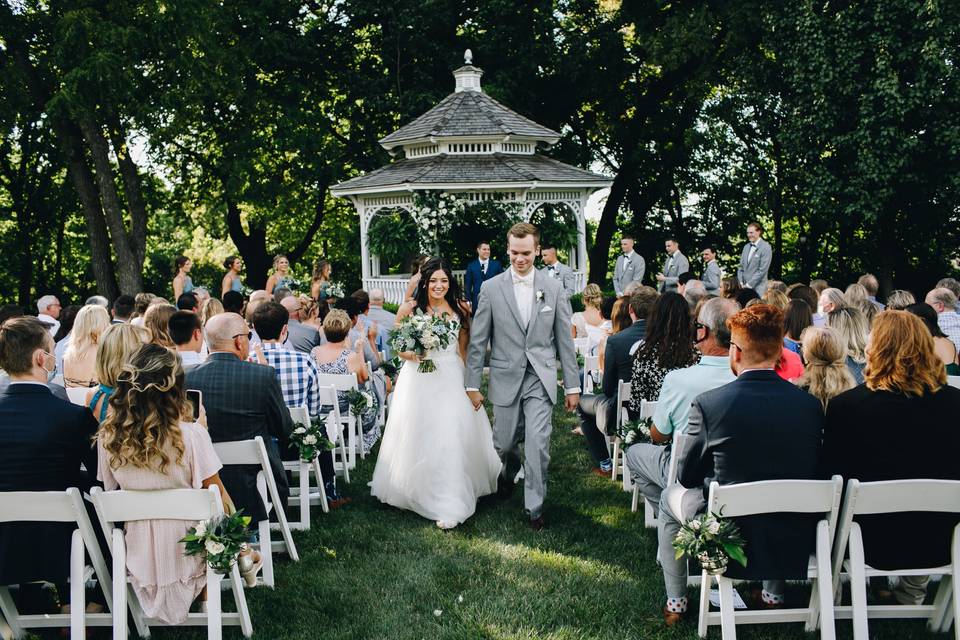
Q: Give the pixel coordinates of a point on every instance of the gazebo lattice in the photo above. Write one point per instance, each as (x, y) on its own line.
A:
(475, 148)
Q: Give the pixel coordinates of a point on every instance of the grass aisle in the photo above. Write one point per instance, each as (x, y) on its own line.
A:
(369, 571)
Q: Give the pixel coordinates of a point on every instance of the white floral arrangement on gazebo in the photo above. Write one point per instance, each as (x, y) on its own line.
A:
(435, 212)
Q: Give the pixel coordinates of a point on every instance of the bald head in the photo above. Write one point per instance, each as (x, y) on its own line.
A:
(292, 305)
(376, 297)
(221, 330)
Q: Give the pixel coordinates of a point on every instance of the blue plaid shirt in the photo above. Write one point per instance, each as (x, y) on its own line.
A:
(298, 376)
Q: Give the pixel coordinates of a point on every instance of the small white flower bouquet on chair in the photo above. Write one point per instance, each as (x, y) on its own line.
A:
(712, 540)
(311, 439)
(220, 540)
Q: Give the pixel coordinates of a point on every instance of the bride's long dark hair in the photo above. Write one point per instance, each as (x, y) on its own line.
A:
(454, 298)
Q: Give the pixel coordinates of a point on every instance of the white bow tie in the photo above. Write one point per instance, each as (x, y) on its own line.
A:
(527, 282)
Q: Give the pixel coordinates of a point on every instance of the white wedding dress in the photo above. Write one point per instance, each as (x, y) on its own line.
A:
(437, 454)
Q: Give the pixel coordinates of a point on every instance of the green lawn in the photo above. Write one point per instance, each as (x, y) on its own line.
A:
(368, 571)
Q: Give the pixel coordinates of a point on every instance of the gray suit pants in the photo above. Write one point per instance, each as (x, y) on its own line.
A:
(530, 417)
(648, 465)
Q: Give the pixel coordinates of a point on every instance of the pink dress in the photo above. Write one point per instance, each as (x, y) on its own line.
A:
(166, 581)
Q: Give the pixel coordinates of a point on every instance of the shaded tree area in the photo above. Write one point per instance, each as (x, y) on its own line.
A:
(133, 132)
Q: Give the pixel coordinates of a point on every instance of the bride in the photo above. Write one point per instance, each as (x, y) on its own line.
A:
(437, 455)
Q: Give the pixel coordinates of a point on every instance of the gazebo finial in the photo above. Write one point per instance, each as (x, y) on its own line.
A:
(468, 57)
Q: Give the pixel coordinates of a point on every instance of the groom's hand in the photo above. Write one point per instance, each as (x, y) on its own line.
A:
(476, 398)
(571, 401)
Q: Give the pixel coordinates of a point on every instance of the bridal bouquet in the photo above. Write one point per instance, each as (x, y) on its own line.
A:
(219, 540)
(713, 540)
(421, 333)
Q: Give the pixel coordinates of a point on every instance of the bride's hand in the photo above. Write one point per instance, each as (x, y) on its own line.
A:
(409, 355)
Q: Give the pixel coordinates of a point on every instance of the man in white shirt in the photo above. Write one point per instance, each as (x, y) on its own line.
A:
(945, 303)
(629, 268)
(49, 310)
(187, 333)
(557, 270)
(384, 319)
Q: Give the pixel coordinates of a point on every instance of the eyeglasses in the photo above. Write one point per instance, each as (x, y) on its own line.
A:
(700, 325)
(249, 335)
(735, 345)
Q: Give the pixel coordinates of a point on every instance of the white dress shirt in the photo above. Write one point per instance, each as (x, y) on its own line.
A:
(753, 251)
(483, 266)
(523, 292)
(55, 324)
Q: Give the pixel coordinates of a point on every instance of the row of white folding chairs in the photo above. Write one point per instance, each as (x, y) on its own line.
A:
(618, 455)
(591, 374)
(354, 428)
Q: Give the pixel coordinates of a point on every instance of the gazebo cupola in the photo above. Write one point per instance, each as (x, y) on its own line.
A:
(472, 146)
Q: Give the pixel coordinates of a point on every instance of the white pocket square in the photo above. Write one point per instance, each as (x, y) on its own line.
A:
(546, 308)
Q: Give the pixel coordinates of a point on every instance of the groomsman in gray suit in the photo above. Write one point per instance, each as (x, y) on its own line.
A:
(755, 260)
(675, 264)
(630, 266)
(711, 271)
(555, 269)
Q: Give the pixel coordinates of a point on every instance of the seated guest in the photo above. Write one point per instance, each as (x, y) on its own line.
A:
(805, 293)
(385, 320)
(48, 312)
(693, 292)
(904, 382)
(830, 299)
(734, 440)
(142, 303)
(281, 292)
(855, 294)
(942, 345)
(187, 334)
(117, 344)
(122, 309)
(745, 295)
(300, 337)
(43, 442)
(209, 308)
(729, 288)
(954, 286)
(598, 412)
(898, 300)
(336, 356)
(310, 313)
(648, 462)
(668, 345)
(790, 366)
(297, 374)
(149, 442)
(945, 304)
(157, 321)
(366, 338)
(852, 326)
(589, 322)
(67, 317)
(620, 319)
(242, 400)
(189, 301)
(869, 282)
(826, 373)
(79, 360)
(776, 298)
(797, 316)
(233, 302)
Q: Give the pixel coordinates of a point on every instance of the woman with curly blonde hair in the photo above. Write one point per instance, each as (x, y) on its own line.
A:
(826, 375)
(149, 442)
(117, 345)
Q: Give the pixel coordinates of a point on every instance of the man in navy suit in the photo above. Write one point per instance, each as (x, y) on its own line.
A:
(478, 272)
(43, 441)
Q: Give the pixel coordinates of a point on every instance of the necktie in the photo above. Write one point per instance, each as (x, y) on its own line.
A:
(483, 268)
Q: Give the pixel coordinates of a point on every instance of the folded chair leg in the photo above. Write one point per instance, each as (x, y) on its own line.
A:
(324, 503)
(705, 581)
(635, 499)
(214, 615)
(304, 496)
(240, 599)
(821, 597)
(266, 551)
(78, 605)
(119, 551)
(858, 585)
(728, 625)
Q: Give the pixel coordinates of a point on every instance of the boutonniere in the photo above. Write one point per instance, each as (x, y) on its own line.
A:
(539, 295)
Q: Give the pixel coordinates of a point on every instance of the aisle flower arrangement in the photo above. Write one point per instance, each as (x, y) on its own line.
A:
(713, 540)
(311, 439)
(219, 540)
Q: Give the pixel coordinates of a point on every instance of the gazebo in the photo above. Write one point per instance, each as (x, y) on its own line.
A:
(473, 147)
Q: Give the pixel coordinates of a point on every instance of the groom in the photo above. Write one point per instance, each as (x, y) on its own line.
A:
(525, 315)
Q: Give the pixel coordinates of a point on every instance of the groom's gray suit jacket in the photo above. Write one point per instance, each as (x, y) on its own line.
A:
(544, 340)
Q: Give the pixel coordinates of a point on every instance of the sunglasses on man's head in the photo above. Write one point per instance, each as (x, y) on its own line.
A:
(249, 335)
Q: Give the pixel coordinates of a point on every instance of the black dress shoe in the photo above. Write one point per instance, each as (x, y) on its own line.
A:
(537, 524)
(504, 488)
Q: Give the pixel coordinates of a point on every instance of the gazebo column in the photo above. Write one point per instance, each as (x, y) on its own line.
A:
(364, 248)
(582, 240)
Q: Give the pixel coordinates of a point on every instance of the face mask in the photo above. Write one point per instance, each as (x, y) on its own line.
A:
(51, 373)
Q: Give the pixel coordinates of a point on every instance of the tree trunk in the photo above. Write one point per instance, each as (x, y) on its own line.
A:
(132, 189)
(252, 247)
(295, 254)
(600, 251)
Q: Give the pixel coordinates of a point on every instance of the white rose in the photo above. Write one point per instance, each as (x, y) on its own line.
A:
(368, 398)
(213, 547)
(714, 527)
(201, 529)
(695, 525)
(300, 430)
(310, 440)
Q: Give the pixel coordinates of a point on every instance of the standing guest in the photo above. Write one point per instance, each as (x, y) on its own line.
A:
(79, 360)
(182, 283)
(280, 276)
(299, 381)
(668, 345)
(852, 326)
(796, 318)
(905, 381)
(648, 462)
(242, 400)
(150, 442)
(385, 320)
(210, 307)
(337, 356)
(899, 300)
(231, 280)
(479, 271)
(320, 282)
(557, 270)
(157, 322)
(776, 298)
(830, 300)
(755, 260)
(598, 412)
(734, 440)
(415, 265)
(301, 337)
(942, 346)
(729, 288)
(826, 375)
(712, 276)
(233, 302)
(954, 286)
(186, 332)
(673, 265)
(67, 317)
(122, 309)
(116, 347)
(869, 282)
(189, 302)
(43, 443)
(630, 266)
(48, 308)
(142, 302)
(945, 303)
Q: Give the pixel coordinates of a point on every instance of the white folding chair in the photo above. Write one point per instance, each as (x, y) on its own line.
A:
(253, 452)
(115, 507)
(78, 395)
(893, 496)
(678, 449)
(58, 506)
(954, 381)
(581, 345)
(345, 382)
(777, 496)
(305, 494)
(622, 417)
(591, 373)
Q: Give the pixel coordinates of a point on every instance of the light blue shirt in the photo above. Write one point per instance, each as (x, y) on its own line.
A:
(681, 386)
